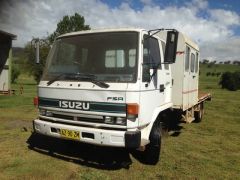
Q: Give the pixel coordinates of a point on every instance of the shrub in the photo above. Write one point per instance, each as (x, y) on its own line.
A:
(208, 74)
(230, 81)
(212, 74)
(218, 74)
(15, 73)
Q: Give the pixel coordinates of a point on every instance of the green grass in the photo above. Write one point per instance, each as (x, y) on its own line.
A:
(206, 150)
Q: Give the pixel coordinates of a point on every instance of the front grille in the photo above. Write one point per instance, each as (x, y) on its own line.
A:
(80, 119)
(90, 120)
(85, 120)
(62, 116)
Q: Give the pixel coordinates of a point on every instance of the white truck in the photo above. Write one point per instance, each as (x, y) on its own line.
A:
(112, 87)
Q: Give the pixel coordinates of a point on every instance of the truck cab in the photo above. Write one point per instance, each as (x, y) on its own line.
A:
(107, 87)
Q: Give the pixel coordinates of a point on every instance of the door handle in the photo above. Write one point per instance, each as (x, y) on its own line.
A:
(161, 87)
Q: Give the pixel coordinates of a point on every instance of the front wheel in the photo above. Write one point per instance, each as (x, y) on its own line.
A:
(152, 151)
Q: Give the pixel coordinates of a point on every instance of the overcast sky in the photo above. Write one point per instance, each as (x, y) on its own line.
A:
(213, 24)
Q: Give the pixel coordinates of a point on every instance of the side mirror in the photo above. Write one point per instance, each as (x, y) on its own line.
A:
(146, 77)
(171, 47)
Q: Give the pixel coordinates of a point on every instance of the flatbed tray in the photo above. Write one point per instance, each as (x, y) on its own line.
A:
(203, 96)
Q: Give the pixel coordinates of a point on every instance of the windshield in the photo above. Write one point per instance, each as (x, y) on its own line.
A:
(110, 57)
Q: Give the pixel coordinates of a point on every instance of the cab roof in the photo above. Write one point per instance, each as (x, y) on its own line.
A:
(101, 31)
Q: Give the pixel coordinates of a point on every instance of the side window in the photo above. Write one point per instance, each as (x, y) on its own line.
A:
(187, 55)
(192, 62)
(151, 53)
(196, 63)
(163, 47)
(114, 58)
(166, 66)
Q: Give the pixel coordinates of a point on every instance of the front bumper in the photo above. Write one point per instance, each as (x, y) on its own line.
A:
(117, 138)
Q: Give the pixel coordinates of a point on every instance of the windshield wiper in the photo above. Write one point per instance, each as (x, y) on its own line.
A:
(87, 77)
(91, 78)
(55, 79)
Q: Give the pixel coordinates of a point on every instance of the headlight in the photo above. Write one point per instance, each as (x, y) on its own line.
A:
(109, 120)
(115, 120)
(42, 112)
(120, 120)
(49, 113)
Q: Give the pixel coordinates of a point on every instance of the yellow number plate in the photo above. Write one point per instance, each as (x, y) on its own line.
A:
(70, 134)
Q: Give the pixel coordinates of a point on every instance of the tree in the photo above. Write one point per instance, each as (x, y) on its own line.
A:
(218, 74)
(205, 61)
(69, 24)
(37, 69)
(227, 62)
(66, 25)
(236, 62)
(15, 73)
(230, 81)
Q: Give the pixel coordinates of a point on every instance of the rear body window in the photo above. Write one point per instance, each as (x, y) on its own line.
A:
(187, 55)
(192, 62)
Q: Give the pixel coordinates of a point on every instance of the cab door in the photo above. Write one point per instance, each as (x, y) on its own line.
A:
(166, 77)
(152, 93)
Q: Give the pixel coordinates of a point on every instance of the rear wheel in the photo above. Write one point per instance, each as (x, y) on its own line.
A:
(199, 114)
(152, 151)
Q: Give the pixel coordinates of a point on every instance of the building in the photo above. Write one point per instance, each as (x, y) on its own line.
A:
(5, 60)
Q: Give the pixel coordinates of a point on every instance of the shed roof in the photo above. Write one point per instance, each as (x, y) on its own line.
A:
(4, 33)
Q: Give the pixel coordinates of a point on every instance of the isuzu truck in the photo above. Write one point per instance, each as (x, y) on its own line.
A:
(112, 87)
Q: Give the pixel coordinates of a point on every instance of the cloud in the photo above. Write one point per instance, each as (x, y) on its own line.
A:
(223, 50)
(211, 28)
(224, 17)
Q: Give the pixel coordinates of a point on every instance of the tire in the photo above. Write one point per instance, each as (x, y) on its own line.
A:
(152, 151)
(199, 114)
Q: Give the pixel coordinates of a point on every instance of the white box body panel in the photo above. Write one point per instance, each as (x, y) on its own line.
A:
(185, 80)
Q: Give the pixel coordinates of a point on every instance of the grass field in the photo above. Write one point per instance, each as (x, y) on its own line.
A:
(206, 150)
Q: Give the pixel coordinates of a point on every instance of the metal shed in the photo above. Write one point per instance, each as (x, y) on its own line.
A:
(5, 60)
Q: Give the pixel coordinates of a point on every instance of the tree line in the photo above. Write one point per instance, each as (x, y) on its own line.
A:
(206, 61)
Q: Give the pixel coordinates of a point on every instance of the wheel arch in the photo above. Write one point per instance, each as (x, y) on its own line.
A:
(155, 117)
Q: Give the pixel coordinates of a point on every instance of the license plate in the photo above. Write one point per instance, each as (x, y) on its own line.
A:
(70, 134)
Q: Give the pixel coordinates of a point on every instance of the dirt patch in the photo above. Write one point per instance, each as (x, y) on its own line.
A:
(22, 125)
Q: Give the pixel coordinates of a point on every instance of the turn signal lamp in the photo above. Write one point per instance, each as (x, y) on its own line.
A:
(132, 110)
(35, 101)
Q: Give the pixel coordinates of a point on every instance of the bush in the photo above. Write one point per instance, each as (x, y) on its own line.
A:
(208, 73)
(15, 73)
(230, 81)
(218, 74)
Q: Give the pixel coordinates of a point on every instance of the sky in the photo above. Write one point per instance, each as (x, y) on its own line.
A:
(213, 24)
